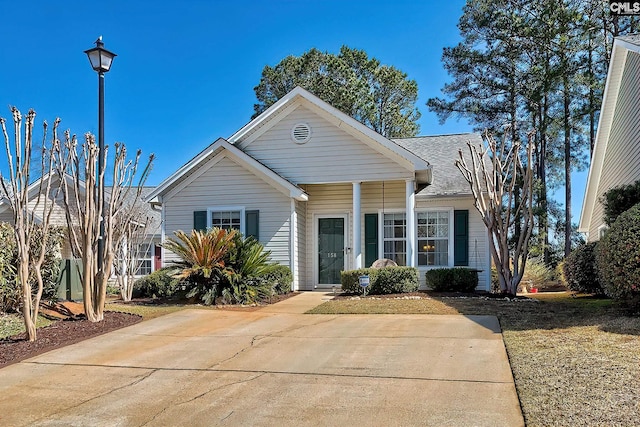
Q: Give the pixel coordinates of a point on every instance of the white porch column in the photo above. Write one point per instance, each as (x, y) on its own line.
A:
(357, 234)
(411, 227)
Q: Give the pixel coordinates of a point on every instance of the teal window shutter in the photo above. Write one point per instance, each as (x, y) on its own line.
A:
(200, 220)
(252, 224)
(370, 239)
(461, 237)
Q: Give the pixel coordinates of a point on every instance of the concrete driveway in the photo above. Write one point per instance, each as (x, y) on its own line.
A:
(272, 367)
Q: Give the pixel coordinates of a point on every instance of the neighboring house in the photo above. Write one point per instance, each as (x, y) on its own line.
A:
(324, 193)
(616, 155)
(149, 256)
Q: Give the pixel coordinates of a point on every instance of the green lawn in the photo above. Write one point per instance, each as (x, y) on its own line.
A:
(576, 361)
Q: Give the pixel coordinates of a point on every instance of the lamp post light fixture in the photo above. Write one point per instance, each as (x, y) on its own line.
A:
(101, 60)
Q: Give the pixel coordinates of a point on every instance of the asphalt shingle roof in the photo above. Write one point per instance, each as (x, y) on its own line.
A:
(441, 151)
(631, 38)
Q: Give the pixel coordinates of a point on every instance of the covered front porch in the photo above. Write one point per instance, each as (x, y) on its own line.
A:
(343, 228)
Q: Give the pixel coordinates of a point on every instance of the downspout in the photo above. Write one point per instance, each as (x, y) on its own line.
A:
(154, 206)
(293, 230)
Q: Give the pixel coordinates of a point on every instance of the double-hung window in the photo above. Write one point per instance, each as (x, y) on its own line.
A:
(143, 259)
(395, 237)
(227, 219)
(433, 238)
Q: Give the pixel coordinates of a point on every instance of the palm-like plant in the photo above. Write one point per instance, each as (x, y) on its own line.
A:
(248, 258)
(250, 261)
(202, 260)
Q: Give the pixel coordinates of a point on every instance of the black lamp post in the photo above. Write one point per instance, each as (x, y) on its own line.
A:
(101, 60)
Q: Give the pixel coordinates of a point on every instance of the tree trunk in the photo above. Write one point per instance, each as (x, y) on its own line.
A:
(567, 167)
(27, 303)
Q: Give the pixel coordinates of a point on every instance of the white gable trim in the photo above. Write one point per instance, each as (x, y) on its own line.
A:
(340, 119)
(236, 155)
(274, 121)
(607, 112)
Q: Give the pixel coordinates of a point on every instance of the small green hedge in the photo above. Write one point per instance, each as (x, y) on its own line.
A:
(452, 279)
(279, 278)
(159, 284)
(388, 280)
(579, 269)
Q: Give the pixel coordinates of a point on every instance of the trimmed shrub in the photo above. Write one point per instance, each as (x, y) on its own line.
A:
(350, 280)
(388, 280)
(618, 200)
(580, 272)
(618, 257)
(395, 280)
(279, 278)
(159, 284)
(452, 279)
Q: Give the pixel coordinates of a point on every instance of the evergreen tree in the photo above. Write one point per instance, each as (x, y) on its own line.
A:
(379, 96)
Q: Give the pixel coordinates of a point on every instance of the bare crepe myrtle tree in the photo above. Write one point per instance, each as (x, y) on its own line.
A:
(83, 194)
(31, 218)
(134, 236)
(496, 170)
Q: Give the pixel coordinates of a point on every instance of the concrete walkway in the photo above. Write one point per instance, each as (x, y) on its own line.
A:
(272, 367)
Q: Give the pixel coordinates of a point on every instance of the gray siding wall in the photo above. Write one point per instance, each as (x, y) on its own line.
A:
(6, 216)
(331, 155)
(622, 159)
(229, 184)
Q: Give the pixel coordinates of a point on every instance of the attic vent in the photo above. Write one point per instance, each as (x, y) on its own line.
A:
(301, 133)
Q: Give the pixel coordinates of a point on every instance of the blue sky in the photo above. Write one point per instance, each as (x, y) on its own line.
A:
(185, 71)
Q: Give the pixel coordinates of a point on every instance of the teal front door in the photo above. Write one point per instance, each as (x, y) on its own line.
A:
(330, 250)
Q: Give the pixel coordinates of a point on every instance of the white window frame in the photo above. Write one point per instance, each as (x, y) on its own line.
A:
(450, 252)
(240, 209)
(601, 230)
(381, 238)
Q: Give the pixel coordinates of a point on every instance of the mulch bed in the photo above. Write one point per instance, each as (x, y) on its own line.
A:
(59, 334)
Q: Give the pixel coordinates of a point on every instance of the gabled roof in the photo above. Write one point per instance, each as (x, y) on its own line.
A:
(34, 187)
(621, 46)
(378, 142)
(219, 146)
(442, 152)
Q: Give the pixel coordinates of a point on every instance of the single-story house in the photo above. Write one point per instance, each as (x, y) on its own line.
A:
(616, 154)
(148, 251)
(325, 193)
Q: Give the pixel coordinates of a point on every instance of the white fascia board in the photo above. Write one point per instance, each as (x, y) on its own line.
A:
(607, 110)
(341, 118)
(266, 115)
(239, 157)
(266, 174)
(417, 162)
(191, 164)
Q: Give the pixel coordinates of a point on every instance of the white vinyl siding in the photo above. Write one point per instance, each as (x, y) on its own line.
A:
(338, 199)
(331, 154)
(301, 245)
(229, 183)
(621, 163)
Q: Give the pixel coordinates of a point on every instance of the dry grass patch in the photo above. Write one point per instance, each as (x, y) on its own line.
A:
(13, 324)
(576, 361)
(146, 311)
